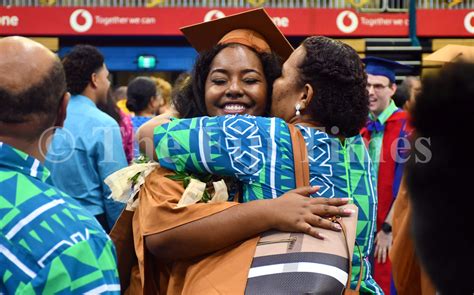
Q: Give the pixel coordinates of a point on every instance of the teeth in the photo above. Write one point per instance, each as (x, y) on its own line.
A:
(234, 107)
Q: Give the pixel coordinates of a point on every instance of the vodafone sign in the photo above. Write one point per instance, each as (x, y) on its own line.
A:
(56, 21)
(81, 21)
(449, 23)
(350, 23)
(353, 21)
(468, 22)
(75, 20)
(213, 14)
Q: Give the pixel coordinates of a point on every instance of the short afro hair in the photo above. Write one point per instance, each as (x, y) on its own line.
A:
(338, 78)
(79, 65)
(438, 182)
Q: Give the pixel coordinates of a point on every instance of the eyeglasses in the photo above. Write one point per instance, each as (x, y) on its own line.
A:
(377, 87)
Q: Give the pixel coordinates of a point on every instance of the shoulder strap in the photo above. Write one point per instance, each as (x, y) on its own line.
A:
(301, 166)
(300, 156)
(348, 289)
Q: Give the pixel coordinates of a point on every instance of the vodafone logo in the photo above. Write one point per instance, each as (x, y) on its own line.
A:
(9, 21)
(467, 22)
(81, 20)
(354, 21)
(213, 14)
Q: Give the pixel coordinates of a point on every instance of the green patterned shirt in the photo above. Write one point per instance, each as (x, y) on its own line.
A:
(49, 244)
(376, 139)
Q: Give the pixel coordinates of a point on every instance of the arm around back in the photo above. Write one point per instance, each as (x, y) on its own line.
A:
(146, 132)
(294, 211)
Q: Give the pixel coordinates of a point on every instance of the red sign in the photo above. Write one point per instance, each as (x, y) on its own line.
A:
(167, 21)
(445, 23)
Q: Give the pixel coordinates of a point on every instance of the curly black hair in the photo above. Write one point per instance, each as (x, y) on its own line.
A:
(79, 65)
(40, 99)
(189, 102)
(337, 75)
(437, 180)
(139, 92)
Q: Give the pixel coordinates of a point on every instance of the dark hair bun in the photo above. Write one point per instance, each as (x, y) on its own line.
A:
(139, 92)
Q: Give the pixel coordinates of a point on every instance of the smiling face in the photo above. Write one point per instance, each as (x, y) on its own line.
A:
(380, 93)
(236, 83)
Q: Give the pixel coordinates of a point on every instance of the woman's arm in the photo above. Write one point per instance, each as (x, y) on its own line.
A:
(144, 134)
(293, 211)
(238, 146)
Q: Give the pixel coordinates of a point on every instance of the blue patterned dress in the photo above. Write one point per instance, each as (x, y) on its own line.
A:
(258, 152)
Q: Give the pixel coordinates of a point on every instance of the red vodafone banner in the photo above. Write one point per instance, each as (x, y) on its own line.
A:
(167, 21)
(445, 23)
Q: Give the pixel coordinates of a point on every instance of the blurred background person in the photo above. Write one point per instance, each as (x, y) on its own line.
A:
(89, 147)
(144, 100)
(438, 190)
(110, 107)
(401, 96)
(413, 85)
(409, 277)
(120, 95)
(163, 89)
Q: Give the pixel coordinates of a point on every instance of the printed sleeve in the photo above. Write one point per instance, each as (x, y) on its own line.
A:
(225, 145)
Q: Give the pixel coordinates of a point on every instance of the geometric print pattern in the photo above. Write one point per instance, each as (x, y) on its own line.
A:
(48, 242)
(206, 145)
(342, 170)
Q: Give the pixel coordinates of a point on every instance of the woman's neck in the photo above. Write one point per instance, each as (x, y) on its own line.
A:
(307, 122)
(304, 121)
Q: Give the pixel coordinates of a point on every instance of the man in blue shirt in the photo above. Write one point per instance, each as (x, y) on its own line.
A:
(48, 243)
(89, 147)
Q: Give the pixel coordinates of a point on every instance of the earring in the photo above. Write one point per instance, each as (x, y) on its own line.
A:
(298, 107)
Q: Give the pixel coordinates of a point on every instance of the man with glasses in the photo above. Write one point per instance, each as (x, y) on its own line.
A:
(385, 132)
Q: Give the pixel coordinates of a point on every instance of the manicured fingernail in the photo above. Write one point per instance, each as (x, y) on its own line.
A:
(345, 199)
(321, 236)
(336, 226)
(349, 211)
(316, 187)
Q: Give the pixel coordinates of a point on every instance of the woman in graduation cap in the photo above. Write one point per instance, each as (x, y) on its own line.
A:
(323, 86)
(233, 74)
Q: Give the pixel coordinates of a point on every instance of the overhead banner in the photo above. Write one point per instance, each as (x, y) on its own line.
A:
(445, 23)
(167, 21)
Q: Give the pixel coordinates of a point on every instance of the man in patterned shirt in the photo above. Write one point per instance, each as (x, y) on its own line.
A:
(48, 242)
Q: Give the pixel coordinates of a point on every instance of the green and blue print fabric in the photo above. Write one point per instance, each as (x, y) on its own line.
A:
(258, 152)
(49, 244)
